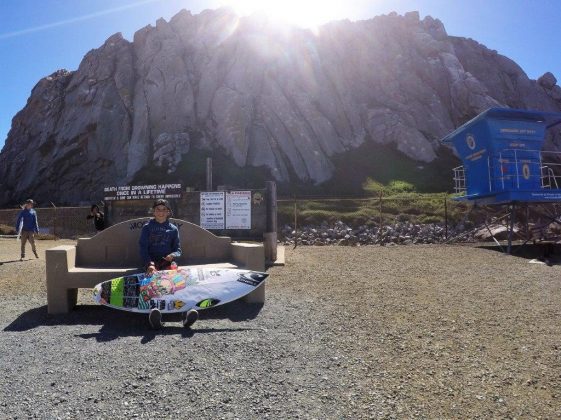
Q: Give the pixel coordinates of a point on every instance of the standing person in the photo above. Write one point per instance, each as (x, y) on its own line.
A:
(159, 245)
(98, 217)
(27, 220)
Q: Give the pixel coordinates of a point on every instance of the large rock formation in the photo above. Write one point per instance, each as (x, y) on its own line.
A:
(263, 95)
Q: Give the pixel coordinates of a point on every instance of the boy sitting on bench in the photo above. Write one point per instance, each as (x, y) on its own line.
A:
(159, 246)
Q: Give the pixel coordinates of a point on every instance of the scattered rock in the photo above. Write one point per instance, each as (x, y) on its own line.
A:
(400, 233)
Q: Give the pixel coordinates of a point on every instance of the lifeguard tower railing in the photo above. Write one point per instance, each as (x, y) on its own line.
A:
(505, 174)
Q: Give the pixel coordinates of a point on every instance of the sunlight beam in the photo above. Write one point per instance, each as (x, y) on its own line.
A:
(304, 13)
(74, 20)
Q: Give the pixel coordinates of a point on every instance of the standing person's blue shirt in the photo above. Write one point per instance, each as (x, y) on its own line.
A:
(29, 218)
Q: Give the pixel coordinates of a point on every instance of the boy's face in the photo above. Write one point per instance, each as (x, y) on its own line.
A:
(161, 213)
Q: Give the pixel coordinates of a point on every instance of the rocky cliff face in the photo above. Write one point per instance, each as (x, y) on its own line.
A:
(278, 98)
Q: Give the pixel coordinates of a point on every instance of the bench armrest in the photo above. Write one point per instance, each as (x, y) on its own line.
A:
(60, 259)
(249, 256)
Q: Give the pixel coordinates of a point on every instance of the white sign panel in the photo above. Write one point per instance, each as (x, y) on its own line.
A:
(212, 210)
(238, 210)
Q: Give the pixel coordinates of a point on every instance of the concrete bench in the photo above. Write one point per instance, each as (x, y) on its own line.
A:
(114, 252)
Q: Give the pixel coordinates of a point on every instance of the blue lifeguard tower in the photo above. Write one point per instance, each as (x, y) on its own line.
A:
(503, 161)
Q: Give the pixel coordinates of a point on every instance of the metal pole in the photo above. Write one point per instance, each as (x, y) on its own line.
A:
(445, 216)
(270, 235)
(271, 187)
(511, 228)
(209, 174)
(516, 166)
(295, 223)
(380, 224)
(528, 235)
(489, 172)
(54, 221)
(502, 173)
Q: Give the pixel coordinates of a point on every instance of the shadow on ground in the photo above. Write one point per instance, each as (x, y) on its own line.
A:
(116, 324)
(14, 261)
(546, 252)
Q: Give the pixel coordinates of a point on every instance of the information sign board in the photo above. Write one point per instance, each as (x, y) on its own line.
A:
(212, 210)
(238, 210)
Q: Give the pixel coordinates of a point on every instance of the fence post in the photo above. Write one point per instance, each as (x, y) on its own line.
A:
(528, 235)
(54, 220)
(445, 216)
(270, 235)
(380, 223)
(295, 223)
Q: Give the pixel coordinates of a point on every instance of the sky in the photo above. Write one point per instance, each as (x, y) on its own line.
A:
(38, 37)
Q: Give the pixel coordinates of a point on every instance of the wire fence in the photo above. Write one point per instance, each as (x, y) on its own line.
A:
(456, 219)
(380, 210)
(59, 222)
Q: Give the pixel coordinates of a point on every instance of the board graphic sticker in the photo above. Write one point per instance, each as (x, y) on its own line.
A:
(177, 290)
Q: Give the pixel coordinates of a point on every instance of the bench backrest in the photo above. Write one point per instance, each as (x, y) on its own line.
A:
(117, 246)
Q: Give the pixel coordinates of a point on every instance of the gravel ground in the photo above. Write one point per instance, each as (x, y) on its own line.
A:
(425, 331)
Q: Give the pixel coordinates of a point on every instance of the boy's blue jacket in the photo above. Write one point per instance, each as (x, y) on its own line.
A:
(29, 218)
(158, 240)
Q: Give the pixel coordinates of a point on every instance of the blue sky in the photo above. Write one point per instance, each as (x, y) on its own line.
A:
(38, 37)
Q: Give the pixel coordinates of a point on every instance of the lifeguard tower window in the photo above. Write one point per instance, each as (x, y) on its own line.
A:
(503, 161)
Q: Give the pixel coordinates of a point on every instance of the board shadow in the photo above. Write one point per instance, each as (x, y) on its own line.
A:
(116, 324)
(109, 332)
(235, 311)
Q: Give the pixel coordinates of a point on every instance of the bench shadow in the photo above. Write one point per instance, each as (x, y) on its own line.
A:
(117, 324)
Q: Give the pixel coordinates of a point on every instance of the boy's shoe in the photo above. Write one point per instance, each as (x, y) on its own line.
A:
(22, 257)
(36, 255)
(155, 319)
(190, 318)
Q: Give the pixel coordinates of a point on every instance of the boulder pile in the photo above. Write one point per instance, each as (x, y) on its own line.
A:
(399, 233)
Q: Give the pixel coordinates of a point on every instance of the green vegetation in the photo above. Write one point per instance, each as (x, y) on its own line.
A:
(384, 204)
(7, 230)
(416, 208)
(372, 187)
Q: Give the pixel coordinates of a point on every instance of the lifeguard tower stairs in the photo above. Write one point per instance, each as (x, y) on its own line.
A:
(503, 161)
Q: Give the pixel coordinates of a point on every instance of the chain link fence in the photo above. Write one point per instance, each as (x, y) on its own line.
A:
(437, 215)
(59, 222)
(410, 218)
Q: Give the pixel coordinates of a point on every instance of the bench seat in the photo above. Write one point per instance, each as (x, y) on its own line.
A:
(114, 253)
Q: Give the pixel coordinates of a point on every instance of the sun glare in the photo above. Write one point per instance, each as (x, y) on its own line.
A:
(304, 13)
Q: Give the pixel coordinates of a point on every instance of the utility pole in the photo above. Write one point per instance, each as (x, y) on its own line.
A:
(209, 174)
